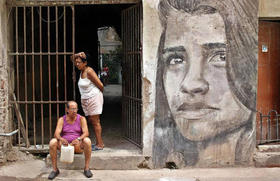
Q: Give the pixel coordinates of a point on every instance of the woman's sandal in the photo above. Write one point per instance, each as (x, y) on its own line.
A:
(96, 148)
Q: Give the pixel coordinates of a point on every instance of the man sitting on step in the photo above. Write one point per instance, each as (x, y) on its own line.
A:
(71, 129)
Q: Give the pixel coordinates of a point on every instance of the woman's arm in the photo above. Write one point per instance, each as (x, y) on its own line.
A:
(84, 128)
(94, 78)
(80, 54)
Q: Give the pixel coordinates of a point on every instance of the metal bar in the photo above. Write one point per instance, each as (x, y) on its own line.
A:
(133, 141)
(261, 126)
(20, 120)
(133, 121)
(123, 47)
(269, 124)
(25, 73)
(132, 98)
(40, 53)
(138, 131)
(33, 76)
(126, 75)
(41, 77)
(41, 102)
(64, 45)
(73, 49)
(136, 72)
(131, 74)
(49, 69)
(139, 74)
(17, 3)
(17, 68)
(56, 61)
(277, 126)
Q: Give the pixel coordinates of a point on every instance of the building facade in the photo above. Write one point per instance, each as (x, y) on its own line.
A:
(199, 80)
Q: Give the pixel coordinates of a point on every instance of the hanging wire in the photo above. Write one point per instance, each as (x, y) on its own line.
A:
(51, 21)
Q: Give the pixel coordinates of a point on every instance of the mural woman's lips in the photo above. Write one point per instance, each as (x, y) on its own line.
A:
(195, 110)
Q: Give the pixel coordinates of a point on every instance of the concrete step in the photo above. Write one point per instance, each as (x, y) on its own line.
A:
(268, 148)
(267, 159)
(106, 159)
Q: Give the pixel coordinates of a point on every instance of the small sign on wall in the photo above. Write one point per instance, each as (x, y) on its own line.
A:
(264, 48)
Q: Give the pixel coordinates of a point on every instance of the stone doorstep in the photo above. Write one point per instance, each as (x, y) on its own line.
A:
(267, 159)
(104, 162)
(268, 148)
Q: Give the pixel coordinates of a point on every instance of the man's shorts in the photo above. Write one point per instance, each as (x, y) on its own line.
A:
(93, 105)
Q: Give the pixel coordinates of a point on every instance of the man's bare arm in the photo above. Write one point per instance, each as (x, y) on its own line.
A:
(58, 131)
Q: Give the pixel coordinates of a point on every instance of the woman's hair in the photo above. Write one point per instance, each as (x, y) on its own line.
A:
(241, 67)
(87, 57)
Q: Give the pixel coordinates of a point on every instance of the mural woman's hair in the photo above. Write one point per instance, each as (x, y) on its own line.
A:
(241, 32)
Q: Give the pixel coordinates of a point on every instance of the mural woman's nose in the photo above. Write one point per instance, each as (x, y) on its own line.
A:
(194, 84)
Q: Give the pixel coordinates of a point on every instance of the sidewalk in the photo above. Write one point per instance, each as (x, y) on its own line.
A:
(37, 170)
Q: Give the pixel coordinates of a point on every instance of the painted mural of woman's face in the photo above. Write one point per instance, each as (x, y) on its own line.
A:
(194, 77)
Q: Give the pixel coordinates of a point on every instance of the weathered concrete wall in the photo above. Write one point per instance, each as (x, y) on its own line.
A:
(269, 9)
(199, 85)
(4, 80)
(151, 36)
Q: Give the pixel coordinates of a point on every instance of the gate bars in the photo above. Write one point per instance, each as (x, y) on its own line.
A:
(268, 127)
(132, 60)
(41, 60)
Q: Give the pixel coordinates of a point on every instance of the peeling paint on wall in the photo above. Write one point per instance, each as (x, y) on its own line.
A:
(206, 83)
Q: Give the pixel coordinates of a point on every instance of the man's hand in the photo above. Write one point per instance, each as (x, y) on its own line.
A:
(64, 141)
(75, 142)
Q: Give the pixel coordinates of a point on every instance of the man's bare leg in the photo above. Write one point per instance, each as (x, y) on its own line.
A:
(53, 152)
(54, 145)
(87, 151)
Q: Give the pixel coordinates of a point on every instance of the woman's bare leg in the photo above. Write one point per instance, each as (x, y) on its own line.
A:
(95, 121)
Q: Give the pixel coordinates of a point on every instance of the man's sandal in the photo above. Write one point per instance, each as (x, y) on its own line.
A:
(53, 174)
(87, 173)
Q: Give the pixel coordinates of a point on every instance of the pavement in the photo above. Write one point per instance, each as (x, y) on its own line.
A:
(37, 170)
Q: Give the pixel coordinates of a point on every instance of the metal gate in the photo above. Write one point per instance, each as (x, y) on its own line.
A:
(268, 127)
(44, 37)
(131, 73)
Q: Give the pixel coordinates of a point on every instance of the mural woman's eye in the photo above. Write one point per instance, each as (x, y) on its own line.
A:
(218, 59)
(174, 61)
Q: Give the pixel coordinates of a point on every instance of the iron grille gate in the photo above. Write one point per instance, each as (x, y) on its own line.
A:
(44, 37)
(131, 65)
(268, 127)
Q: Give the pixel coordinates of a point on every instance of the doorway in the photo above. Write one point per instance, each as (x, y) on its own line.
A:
(45, 37)
(268, 99)
(101, 38)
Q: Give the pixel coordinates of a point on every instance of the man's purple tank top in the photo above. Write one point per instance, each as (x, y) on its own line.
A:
(71, 132)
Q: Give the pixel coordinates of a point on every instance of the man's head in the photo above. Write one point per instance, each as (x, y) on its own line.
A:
(71, 108)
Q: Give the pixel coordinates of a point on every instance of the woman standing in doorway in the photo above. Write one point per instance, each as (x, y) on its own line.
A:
(91, 90)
